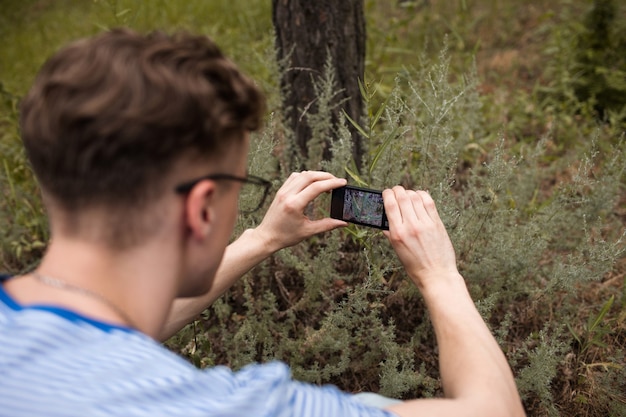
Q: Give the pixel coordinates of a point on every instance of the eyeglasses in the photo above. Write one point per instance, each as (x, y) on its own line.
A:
(250, 199)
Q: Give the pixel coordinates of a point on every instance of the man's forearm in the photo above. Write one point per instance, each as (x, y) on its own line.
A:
(240, 257)
(476, 377)
(284, 224)
(471, 360)
(474, 371)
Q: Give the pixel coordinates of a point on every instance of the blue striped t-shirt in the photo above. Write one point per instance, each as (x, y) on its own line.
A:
(54, 362)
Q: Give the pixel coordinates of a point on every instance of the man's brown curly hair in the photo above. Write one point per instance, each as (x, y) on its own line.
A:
(108, 116)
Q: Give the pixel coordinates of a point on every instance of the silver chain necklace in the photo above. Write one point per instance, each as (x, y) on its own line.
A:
(57, 283)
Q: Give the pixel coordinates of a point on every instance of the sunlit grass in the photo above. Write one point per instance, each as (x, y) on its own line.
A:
(32, 31)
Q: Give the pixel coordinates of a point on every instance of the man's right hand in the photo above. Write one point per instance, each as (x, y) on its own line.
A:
(476, 377)
(419, 237)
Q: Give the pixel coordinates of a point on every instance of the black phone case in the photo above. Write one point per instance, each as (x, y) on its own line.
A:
(337, 203)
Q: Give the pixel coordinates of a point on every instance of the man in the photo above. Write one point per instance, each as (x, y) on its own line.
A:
(139, 144)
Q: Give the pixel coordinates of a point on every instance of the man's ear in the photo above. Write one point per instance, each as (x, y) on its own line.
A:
(199, 209)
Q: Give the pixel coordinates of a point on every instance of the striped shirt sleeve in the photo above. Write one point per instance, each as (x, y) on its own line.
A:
(54, 362)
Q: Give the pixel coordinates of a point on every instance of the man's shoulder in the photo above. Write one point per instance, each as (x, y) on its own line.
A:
(55, 365)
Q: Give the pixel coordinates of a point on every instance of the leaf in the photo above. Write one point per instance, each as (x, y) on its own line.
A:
(355, 176)
(363, 90)
(598, 343)
(574, 334)
(37, 245)
(381, 148)
(594, 323)
(355, 232)
(122, 13)
(356, 125)
(379, 113)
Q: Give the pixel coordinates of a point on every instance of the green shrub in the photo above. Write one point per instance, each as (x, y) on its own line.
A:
(534, 217)
(23, 226)
(600, 60)
(338, 307)
(587, 71)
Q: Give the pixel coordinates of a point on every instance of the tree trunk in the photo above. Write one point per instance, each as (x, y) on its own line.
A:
(308, 32)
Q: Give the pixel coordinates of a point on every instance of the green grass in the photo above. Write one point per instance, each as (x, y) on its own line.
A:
(529, 182)
(33, 30)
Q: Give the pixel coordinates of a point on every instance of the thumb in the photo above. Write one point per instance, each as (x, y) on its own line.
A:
(324, 225)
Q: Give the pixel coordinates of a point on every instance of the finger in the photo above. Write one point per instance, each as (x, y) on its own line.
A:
(288, 185)
(418, 205)
(430, 206)
(295, 183)
(325, 225)
(405, 203)
(314, 189)
(392, 209)
(292, 177)
(299, 181)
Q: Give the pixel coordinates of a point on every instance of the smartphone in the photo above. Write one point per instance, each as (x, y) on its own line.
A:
(360, 206)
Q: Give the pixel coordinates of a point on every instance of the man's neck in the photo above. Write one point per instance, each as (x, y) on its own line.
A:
(141, 282)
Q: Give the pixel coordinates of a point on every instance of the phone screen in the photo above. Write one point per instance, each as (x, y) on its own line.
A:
(359, 205)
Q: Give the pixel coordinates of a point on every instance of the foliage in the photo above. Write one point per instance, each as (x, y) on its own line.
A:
(23, 226)
(530, 187)
(601, 67)
(314, 305)
(590, 73)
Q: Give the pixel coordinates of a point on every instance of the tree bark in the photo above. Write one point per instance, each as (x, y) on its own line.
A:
(307, 32)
